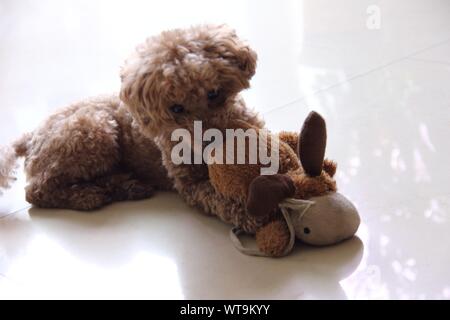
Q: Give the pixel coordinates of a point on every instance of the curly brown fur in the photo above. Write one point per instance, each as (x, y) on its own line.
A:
(88, 155)
(330, 167)
(7, 167)
(290, 138)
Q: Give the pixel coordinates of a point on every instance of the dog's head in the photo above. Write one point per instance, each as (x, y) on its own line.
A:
(186, 75)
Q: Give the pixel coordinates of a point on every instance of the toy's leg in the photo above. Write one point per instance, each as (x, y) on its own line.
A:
(273, 238)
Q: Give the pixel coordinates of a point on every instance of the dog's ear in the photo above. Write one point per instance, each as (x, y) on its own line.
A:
(138, 86)
(225, 44)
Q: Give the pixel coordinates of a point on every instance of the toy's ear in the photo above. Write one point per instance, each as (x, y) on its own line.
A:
(312, 144)
(266, 192)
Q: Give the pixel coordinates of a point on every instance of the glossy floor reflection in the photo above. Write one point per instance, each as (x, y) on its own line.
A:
(383, 91)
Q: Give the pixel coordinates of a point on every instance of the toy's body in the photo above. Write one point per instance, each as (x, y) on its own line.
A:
(321, 217)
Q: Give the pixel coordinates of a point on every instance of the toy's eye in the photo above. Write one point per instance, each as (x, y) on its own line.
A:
(307, 231)
(212, 95)
(177, 108)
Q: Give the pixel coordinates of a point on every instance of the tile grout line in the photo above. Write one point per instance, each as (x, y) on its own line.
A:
(14, 212)
(429, 61)
(362, 74)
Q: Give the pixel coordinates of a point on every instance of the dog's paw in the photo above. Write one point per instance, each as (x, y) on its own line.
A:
(136, 190)
(88, 198)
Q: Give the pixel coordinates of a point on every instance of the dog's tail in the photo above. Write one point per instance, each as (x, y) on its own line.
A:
(8, 160)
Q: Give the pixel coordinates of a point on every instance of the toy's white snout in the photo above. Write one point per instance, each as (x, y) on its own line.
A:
(327, 220)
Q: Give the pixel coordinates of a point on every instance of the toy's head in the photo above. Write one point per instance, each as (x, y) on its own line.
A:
(324, 220)
(186, 75)
(315, 213)
(330, 217)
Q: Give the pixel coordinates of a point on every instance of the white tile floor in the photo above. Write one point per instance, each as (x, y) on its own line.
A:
(386, 96)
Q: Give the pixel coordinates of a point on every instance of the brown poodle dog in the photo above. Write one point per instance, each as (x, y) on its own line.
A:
(104, 150)
(86, 156)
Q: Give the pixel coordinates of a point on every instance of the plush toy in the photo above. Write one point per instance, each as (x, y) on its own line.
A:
(300, 202)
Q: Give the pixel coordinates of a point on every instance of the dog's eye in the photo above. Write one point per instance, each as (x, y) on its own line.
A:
(177, 108)
(307, 230)
(213, 94)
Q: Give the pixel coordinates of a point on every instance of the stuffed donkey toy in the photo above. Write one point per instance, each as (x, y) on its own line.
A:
(299, 202)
